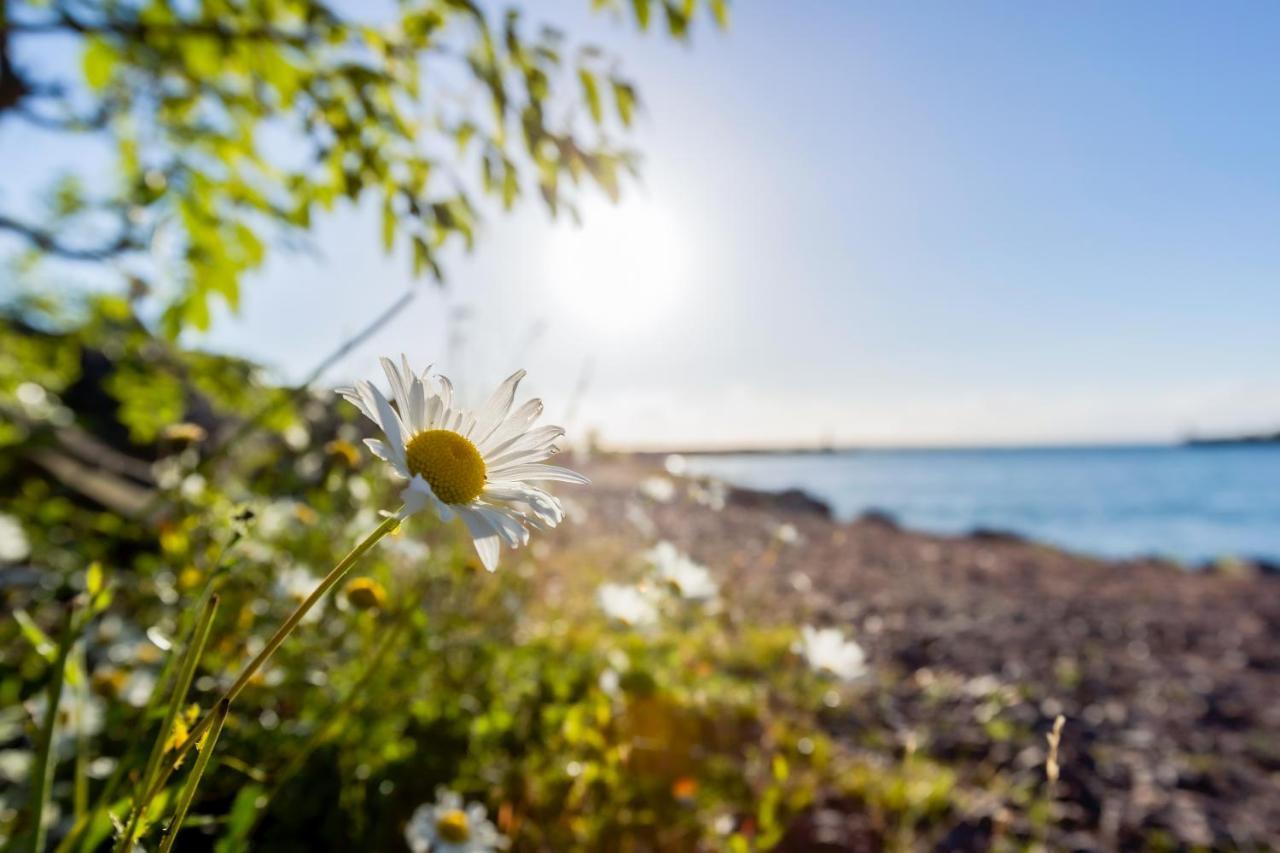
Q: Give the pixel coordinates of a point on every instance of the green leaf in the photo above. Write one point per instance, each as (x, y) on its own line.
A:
(624, 95)
(591, 93)
(641, 10)
(720, 11)
(388, 224)
(99, 62)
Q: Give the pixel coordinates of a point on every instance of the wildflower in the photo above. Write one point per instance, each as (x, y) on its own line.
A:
(691, 579)
(182, 728)
(365, 594)
(296, 584)
(345, 451)
(13, 541)
(827, 650)
(629, 605)
(450, 826)
(79, 713)
(477, 465)
(658, 489)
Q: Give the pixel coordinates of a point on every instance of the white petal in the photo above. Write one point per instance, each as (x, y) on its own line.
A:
(399, 385)
(392, 455)
(543, 506)
(507, 525)
(495, 409)
(519, 421)
(534, 471)
(351, 394)
(387, 416)
(446, 392)
(420, 489)
(517, 447)
(484, 536)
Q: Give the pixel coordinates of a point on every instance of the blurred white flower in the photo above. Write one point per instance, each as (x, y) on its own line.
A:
(451, 826)
(659, 489)
(478, 465)
(827, 650)
(79, 713)
(676, 464)
(13, 541)
(296, 584)
(787, 534)
(712, 494)
(691, 579)
(629, 605)
(640, 519)
(15, 765)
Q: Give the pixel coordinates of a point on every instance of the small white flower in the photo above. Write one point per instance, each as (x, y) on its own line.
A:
(691, 579)
(13, 541)
(658, 489)
(80, 713)
(451, 826)
(295, 585)
(828, 651)
(787, 534)
(629, 605)
(477, 465)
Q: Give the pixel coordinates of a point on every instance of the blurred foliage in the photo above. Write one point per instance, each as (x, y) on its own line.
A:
(700, 732)
(234, 123)
(705, 729)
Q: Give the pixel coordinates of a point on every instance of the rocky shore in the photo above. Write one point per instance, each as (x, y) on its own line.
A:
(1169, 680)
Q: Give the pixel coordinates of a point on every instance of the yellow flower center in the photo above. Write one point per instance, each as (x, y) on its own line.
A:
(449, 463)
(452, 826)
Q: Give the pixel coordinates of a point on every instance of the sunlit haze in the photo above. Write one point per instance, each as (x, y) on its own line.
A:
(881, 224)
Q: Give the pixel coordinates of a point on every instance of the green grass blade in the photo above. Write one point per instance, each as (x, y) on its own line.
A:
(42, 770)
(186, 673)
(193, 781)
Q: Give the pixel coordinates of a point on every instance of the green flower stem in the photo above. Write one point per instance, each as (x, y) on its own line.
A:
(336, 574)
(186, 673)
(42, 770)
(337, 715)
(193, 781)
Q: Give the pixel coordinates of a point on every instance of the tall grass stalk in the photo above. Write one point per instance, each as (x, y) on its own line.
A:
(193, 781)
(186, 673)
(336, 574)
(186, 629)
(42, 770)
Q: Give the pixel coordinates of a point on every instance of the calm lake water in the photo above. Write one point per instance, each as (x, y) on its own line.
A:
(1189, 503)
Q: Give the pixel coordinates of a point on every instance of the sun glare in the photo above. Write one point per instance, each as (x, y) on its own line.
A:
(625, 267)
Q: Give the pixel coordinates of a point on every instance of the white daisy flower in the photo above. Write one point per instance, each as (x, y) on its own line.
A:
(477, 465)
(828, 651)
(629, 605)
(13, 540)
(691, 579)
(451, 826)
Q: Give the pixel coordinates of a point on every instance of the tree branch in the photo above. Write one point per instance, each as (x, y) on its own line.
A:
(46, 242)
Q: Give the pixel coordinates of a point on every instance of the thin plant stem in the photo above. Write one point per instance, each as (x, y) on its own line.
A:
(187, 630)
(336, 574)
(336, 716)
(193, 781)
(190, 660)
(81, 799)
(42, 770)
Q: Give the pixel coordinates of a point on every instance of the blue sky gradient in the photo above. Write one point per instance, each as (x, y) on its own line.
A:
(873, 223)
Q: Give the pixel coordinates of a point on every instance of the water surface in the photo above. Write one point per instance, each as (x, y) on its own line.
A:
(1189, 503)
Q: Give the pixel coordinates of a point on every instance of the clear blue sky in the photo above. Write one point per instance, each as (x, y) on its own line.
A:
(878, 222)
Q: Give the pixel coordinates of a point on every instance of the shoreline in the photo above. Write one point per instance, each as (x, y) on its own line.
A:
(1164, 675)
(796, 497)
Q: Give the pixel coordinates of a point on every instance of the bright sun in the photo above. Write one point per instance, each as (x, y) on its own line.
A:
(625, 267)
